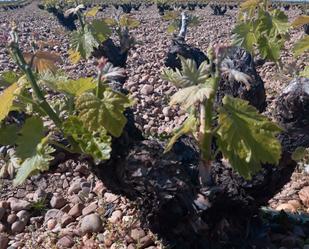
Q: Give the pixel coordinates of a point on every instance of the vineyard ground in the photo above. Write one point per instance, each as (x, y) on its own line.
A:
(74, 191)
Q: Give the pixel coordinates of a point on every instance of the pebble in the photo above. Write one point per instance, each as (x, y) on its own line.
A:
(144, 79)
(66, 208)
(146, 241)
(11, 218)
(2, 228)
(74, 188)
(76, 210)
(304, 196)
(109, 197)
(75, 199)
(167, 112)
(51, 224)
(65, 242)
(18, 226)
(92, 207)
(286, 207)
(137, 234)
(18, 205)
(131, 246)
(39, 195)
(57, 202)
(4, 204)
(99, 188)
(115, 217)
(66, 220)
(91, 224)
(4, 241)
(2, 213)
(23, 216)
(147, 90)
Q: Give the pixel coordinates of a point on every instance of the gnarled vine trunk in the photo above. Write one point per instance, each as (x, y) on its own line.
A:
(180, 47)
(112, 52)
(173, 204)
(240, 60)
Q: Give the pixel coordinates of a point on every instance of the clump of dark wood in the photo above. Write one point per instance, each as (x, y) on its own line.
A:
(136, 6)
(66, 21)
(292, 107)
(162, 7)
(292, 112)
(180, 47)
(174, 206)
(238, 59)
(306, 29)
(114, 53)
(126, 7)
(219, 10)
(192, 6)
(287, 7)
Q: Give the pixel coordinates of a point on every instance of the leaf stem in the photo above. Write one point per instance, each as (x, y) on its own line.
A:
(81, 19)
(72, 151)
(207, 130)
(37, 91)
(184, 24)
(99, 89)
(17, 54)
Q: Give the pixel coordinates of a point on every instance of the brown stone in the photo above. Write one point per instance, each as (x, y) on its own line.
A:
(304, 196)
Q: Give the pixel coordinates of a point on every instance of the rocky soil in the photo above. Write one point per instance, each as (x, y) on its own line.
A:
(69, 207)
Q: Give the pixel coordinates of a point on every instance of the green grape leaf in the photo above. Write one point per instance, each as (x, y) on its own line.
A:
(300, 21)
(39, 162)
(280, 23)
(301, 46)
(269, 49)
(8, 78)
(172, 27)
(250, 4)
(9, 134)
(246, 138)
(84, 42)
(107, 112)
(92, 12)
(189, 75)
(76, 87)
(100, 30)
(305, 72)
(128, 22)
(244, 36)
(110, 21)
(299, 153)
(95, 144)
(171, 15)
(6, 99)
(188, 127)
(74, 56)
(30, 136)
(189, 96)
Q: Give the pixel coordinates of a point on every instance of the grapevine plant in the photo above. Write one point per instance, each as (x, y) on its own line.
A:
(263, 30)
(243, 136)
(91, 34)
(91, 113)
(176, 21)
